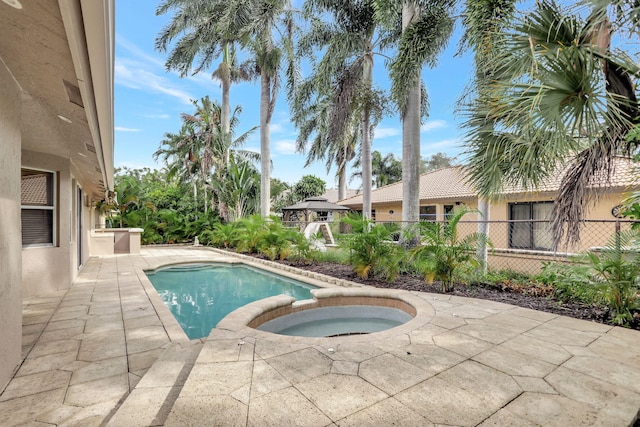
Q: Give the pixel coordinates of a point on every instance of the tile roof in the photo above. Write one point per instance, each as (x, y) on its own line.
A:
(451, 183)
(332, 194)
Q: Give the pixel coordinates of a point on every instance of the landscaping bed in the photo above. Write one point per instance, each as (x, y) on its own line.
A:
(518, 296)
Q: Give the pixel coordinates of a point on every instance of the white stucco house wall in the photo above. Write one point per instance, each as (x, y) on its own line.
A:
(56, 148)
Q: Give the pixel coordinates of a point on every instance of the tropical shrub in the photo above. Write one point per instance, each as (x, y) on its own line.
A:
(610, 276)
(442, 253)
(222, 235)
(371, 250)
(277, 240)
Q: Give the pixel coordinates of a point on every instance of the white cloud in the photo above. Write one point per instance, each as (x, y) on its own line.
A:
(448, 145)
(276, 128)
(157, 116)
(381, 132)
(130, 75)
(433, 124)
(123, 129)
(286, 146)
(137, 52)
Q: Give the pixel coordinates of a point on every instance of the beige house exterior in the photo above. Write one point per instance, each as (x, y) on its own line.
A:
(56, 148)
(520, 245)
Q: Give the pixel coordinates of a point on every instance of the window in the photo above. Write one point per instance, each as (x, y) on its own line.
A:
(448, 211)
(428, 213)
(530, 235)
(38, 208)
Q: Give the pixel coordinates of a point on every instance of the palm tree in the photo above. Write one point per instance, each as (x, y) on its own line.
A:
(202, 142)
(206, 30)
(315, 119)
(237, 188)
(176, 151)
(559, 96)
(426, 28)
(338, 101)
(270, 27)
(384, 170)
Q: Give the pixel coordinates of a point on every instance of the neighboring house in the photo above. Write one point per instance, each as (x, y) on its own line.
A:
(513, 229)
(332, 194)
(56, 148)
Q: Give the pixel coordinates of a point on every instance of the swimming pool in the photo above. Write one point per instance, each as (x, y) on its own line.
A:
(200, 295)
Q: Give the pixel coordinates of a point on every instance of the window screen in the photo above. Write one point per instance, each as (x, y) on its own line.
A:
(428, 213)
(38, 209)
(530, 234)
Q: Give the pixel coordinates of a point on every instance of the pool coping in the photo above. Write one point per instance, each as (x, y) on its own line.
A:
(239, 320)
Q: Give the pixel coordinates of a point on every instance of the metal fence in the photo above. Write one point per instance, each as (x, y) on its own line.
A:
(520, 245)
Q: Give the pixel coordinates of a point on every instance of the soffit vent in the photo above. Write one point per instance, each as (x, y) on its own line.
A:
(91, 148)
(73, 93)
(98, 170)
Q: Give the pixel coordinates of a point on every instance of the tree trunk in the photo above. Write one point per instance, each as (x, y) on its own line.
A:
(225, 108)
(483, 228)
(206, 202)
(366, 141)
(411, 141)
(366, 165)
(342, 183)
(195, 193)
(265, 153)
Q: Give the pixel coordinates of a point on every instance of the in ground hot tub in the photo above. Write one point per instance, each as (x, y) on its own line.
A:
(337, 321)
(334, 312)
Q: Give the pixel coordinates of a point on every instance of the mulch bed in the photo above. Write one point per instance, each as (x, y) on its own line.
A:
(411, 283)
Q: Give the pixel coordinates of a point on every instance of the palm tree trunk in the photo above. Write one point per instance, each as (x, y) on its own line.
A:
(366, 141)
(225, 108)
(204, 191)
(265, 153)
(342, 183)
(366, 164)
(195, 193)
(411, 141)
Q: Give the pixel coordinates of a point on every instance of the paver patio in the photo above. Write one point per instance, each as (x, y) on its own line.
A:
(107, 352)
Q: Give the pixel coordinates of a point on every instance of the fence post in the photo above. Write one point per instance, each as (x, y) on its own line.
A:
(483, 228)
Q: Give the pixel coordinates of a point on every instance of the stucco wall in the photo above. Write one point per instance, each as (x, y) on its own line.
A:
(10, 235)
(46, 269)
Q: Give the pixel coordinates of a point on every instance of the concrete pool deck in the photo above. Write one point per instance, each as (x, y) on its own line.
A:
(104, 353)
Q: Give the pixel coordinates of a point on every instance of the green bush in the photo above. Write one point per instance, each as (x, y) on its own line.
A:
(443, 255)
(371, 250)
(222, 235)
(610, 277)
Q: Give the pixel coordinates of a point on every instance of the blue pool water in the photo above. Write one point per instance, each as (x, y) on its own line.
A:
(199, 296)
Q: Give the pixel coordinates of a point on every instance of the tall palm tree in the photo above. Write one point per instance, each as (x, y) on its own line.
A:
(315, 119)
(340, 92)
(560, 96)
(176, 151)
(270, 27)
(206, 30)
(426, 27)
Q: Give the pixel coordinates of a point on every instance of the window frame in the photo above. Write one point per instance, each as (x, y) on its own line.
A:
(530, 226)
(428, 217)
(53, 208)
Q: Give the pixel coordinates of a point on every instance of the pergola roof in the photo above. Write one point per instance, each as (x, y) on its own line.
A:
(315, 204)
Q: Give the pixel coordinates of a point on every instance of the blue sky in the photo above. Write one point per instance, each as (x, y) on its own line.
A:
(149, 100)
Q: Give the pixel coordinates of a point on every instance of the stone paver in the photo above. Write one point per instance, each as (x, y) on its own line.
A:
(107, 352)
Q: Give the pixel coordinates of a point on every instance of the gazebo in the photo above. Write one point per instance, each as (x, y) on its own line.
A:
(319, 205)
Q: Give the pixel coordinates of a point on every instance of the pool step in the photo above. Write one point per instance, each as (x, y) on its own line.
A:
(153, 397)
